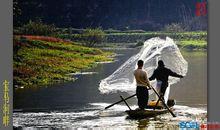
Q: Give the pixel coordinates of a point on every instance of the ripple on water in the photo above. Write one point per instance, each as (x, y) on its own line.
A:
(96, 116)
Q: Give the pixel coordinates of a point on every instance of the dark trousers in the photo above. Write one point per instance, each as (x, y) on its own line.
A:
(164, 86)
(142, 96)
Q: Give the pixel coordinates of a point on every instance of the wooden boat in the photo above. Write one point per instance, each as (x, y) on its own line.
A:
(151, 111)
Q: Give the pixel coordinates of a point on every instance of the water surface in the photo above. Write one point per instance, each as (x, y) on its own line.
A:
(79, 104)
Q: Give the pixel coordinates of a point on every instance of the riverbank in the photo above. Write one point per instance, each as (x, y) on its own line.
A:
(39, 60)
(196, 40)
(42, 60)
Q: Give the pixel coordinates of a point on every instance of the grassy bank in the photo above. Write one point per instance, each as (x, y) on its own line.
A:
(192, 44)
(44, 60)
(187, 40)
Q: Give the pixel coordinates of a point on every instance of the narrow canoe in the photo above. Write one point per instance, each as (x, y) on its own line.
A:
(150, 112)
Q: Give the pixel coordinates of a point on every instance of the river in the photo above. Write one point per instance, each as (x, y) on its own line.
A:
(79, 104)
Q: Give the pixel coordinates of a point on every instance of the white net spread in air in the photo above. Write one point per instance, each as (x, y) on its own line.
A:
(153, 50)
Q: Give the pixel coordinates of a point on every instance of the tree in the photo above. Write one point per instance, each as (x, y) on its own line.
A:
(37, 28)
(93, 37)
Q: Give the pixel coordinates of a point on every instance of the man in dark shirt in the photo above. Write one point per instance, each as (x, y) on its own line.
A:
(161, 74)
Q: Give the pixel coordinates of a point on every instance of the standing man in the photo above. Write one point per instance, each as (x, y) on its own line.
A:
(161, 74)
(142, 83)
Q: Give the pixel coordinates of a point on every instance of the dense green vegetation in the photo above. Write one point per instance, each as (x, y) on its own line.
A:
(88, 37)
(36, 28)
(41, 61)
(189, 40)
(92, 37)
(134, 37)
(97, 36)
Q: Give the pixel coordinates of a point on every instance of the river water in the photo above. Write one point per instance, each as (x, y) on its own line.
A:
(79, 104)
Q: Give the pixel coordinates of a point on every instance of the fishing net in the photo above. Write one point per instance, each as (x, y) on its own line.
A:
(153, 50)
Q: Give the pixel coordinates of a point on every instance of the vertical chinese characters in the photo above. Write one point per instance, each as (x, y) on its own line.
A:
(6, 107)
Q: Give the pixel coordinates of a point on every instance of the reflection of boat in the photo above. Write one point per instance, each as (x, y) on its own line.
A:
(152, 111)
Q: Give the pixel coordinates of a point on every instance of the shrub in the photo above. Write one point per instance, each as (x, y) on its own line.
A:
(93, 37)
(37, 28)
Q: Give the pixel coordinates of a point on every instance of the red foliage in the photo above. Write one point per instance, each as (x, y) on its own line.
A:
(44, 38)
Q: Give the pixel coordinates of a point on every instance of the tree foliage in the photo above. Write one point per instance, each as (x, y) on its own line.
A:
(150, 15)
(93, 37)
(37, 28)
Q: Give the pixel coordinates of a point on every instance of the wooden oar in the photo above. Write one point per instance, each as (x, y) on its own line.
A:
(120, 101)
(125, 102)
(163, 102)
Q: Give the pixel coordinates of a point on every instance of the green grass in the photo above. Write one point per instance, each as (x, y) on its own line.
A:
(135, 36)
(38, 63)
(193, 44)
(177, 36)
(161, 32)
